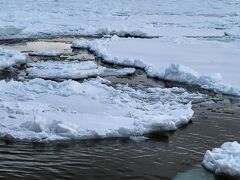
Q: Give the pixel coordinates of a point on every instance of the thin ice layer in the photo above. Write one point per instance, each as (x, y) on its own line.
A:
(171, 62)
(9, 58)
(66, 70)
(73, 70)
(48, 110)
(224, 160)
(48, 53)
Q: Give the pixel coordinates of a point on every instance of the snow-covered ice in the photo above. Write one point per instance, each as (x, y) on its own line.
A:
(224, 160)
(9, 58)
(64, 69)
(32, 18)
(72, 70)
(174, 59)
(46, 110)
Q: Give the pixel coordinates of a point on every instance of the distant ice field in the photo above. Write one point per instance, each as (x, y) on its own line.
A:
(31, 18)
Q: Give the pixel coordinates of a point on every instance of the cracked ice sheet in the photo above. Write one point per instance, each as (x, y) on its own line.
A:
(73, 70)
(211, 65)
(32, 18)
(48, 110)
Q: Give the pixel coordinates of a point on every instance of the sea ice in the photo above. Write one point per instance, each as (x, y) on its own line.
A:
(9, 58)
(64, 69)
(72, 70)
(48, 53)
(46, 110)
(30, 18)
(224, 160)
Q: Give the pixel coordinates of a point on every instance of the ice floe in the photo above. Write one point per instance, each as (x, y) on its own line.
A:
(65, 70)
(161, 64)
(72, 70)
(48, 53)
(224, 160)
(46, 110)
(9, 58)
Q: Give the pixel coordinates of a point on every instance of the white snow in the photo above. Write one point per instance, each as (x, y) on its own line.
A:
(169, 58)
(48, 110)
(9, 58)
(72, 70)
(49, 53)
(224, 160)
(30, 18)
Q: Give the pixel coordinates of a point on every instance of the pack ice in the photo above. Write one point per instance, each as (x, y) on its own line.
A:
(32, 18)
(47, 110)
(224, 160)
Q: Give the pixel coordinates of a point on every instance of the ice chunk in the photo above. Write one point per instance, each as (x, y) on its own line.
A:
(224, 160)
(73, 70)
(9, 58)
(64, 70)
(48, 110)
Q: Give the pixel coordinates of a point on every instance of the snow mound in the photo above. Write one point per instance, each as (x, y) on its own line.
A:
(172, 72)
(224, 160)
(9, 58)
(46, 110)
(48, 53)
(73, 70)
